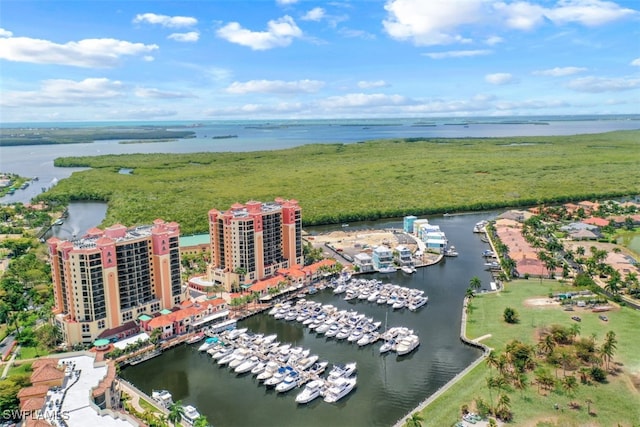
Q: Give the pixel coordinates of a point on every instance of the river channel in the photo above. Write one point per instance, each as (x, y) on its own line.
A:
(388, 386)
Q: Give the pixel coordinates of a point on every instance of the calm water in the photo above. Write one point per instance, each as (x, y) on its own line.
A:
(251, 136)
(388, 386)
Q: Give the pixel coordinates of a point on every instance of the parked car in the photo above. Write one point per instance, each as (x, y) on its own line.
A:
(603, 317)
(576, 318)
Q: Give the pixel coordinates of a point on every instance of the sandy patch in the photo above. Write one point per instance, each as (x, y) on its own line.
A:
(541, 302)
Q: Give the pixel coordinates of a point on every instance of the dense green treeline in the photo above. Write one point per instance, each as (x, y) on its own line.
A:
(363, 181)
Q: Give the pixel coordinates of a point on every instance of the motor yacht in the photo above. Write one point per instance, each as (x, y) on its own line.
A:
(407, 344)
(312, 390)
(339, 389)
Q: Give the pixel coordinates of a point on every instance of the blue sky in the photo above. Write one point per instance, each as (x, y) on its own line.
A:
(270, 59)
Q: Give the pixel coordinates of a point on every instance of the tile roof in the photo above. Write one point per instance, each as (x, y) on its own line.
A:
(32, 391)
(43, 362)
(46, 373)
(32, 404)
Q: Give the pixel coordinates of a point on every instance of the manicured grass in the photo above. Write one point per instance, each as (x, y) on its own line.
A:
(614, 403)
(148, 406)
(31, 352)
(362, 181)
(20, 369)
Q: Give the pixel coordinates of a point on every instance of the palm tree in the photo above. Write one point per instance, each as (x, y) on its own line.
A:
(614, 282)
(608, 347)
(589, 402)
(415, 420)
(176, 411)
(201, 421)
(570, 384)
(475, 283)
(469, 293)
(503, 406)
(492, 359)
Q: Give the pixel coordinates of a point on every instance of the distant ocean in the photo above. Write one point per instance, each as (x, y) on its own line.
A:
(259, 135)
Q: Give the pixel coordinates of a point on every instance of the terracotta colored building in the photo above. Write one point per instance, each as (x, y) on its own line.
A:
(253, 241)
(110, 277)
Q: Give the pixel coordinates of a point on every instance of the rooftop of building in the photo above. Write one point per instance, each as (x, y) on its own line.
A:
(117, 233)
(75, 399)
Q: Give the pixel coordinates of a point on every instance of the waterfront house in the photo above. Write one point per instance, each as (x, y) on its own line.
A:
(436, 241)
(403, 255)
(382, 258)
(408, 222)
(364, 262)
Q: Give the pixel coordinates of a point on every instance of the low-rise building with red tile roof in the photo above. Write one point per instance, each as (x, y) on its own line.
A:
(599, 222)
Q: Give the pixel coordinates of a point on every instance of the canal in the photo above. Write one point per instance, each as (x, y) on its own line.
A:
(388, 386)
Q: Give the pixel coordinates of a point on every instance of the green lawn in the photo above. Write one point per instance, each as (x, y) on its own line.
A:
(31, 352)
(614, 403)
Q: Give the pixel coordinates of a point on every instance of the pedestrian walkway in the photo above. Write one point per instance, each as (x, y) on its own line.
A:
(9, 364)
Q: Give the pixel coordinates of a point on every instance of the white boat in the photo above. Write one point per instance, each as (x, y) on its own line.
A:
(277, 377)
(341, 371)
(451, 251)
(332, 331)
(367, 339)
(208, 343)
(339, 289)
(399, 303)
(339, 389)
(290, 381)
(196, 338)
(307, 362)
(225, 351)
(407, 344)
(239, 359)
(259, 368)
(387, 346)
(388, 269)
(190, 414)
(247, 365)
(312, 390)
(418, 302)
(343, 333)
(163, 397)
(318, 367)
(407, 269)
(236, 333)
(270, 369)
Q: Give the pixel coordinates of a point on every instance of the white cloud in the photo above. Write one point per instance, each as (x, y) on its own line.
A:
(560, 71)
(286, 2)
(494, 40)
(165, 21)
(315, 14)
(363, 84)
(351, 33)
(358, 100)
(636, 62)
(520, 15)
(141, 113)
(60, 92)
(159, 94)
(275, 86)
(5, 33)
(191, 36)
(432, 22)
(266, 110)
(439, 22)
(98, 53)
(499, 78)
(588, 12)
(279, 33)
(602, 84)
(457, 53)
